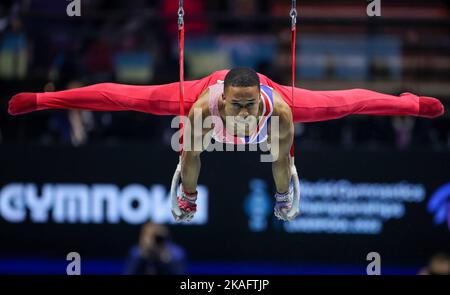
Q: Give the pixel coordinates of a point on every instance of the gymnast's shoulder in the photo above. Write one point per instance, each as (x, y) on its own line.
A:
(200, 108)
(281, 108)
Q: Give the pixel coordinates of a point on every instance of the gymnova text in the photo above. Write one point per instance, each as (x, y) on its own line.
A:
(96, 203)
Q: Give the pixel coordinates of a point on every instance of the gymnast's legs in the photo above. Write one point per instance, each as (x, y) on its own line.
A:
(307, 105)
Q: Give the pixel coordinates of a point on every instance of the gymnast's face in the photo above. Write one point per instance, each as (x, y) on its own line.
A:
(241, 107)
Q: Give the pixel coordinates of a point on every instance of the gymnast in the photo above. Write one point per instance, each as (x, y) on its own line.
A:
(240, 94)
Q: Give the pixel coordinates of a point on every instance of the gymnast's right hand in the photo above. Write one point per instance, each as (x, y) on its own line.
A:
(187, 205)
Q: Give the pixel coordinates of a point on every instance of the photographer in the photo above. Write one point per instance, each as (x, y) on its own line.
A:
(156, 253)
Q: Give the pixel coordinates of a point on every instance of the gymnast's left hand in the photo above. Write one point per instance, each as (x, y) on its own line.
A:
(283, 204)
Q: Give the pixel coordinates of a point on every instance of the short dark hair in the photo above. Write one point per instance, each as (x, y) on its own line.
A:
(241, 77)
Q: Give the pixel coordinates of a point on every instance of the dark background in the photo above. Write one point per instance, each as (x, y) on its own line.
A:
(407, 241)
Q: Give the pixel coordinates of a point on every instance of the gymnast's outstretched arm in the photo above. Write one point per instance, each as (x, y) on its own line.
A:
(193, 144)
(281, 166)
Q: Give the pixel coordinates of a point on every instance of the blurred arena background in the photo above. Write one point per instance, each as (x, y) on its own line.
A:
(88, 182)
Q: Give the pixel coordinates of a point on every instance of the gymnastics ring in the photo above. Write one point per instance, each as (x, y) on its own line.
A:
(295, 210)
(175, 184)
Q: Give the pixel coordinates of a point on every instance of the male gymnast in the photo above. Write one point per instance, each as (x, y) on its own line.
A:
(240, 94)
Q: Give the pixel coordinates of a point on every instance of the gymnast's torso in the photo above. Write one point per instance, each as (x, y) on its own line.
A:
(210, 104)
